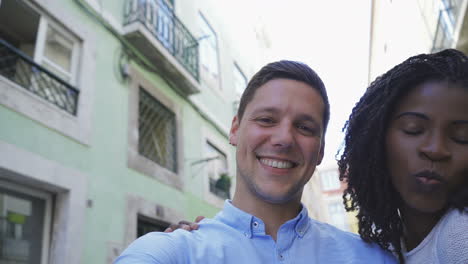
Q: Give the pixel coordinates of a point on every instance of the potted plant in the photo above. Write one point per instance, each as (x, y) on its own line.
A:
(223, 183)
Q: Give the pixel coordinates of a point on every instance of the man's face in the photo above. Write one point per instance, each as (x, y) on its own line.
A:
(279, 141)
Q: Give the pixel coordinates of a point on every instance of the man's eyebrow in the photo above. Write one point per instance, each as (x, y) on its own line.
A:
(415, 114)
(265, 110)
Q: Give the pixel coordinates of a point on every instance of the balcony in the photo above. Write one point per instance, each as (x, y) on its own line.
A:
(152, 27)
(23, 71)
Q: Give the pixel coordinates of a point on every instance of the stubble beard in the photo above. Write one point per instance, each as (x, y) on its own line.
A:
(263, 195)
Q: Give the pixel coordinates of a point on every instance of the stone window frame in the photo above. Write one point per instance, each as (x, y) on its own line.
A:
(67, 185)
(222, 145)
(47, 198)
(137, 161)
(20, 100)
(136, 206)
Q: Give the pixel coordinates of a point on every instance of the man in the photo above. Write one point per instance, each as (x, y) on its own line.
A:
(279, 134)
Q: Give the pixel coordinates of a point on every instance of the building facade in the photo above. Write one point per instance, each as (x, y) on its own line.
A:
(114, 120)
(323, 197)
(400, 29)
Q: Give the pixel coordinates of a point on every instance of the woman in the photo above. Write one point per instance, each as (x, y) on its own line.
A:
(406, 159)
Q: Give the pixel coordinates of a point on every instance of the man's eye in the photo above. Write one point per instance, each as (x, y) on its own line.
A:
(307, 129)
(264, 120)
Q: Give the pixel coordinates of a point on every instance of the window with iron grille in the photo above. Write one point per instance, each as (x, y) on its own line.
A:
(157, 131)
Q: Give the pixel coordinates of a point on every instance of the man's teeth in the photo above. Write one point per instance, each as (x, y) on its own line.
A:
(276, 163)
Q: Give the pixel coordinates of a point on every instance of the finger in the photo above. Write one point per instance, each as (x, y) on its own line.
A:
(168, 230)
(199, 218)
(183, 222)
(173, 227)
(194, 226)
(186, 227)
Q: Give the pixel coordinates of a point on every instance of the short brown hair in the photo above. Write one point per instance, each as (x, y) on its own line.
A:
(286, 70)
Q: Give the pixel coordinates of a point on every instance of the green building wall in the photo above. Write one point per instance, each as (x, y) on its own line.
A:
(104, 159)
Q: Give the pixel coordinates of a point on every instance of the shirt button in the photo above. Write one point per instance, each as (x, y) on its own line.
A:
(280, 257)
(255, 224)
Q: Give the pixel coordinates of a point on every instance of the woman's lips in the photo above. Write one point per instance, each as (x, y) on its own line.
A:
(429, 177)
(428, 181)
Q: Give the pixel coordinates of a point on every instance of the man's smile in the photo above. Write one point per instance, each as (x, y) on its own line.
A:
(277, 163)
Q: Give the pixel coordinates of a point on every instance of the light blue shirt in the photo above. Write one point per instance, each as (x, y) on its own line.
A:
(234, 236)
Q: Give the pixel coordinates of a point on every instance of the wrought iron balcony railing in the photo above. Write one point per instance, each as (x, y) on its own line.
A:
(22, 70)
(163, 24)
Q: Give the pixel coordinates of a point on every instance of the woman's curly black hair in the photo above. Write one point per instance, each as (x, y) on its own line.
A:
(363, 161)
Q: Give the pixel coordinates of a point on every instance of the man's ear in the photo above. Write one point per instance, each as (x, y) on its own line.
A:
(233, 131)
(321, 152)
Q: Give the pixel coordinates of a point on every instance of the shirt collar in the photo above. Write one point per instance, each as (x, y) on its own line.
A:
(251, 225)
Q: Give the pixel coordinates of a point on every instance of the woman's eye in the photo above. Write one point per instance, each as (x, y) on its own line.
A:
(412, 132)
(412, 128)
(461, 141)
(460, 134)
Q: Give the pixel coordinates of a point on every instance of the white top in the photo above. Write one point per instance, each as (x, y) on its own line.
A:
(446, 243)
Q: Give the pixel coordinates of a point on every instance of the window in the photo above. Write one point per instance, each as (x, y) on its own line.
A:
(217, 171)
(208, 50)
(157, 132)
(171, 2)
(143, 216)
(154, 132)
(448, 13)
(49, 67)
(240, 83)
(146, 225)
(59, 52)
(330, 180)
(337, 215)
(24, 225)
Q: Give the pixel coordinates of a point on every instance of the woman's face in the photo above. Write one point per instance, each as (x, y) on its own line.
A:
(427, 145)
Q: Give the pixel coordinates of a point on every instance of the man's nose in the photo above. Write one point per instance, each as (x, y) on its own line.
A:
(283, 135)
(435, 147)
